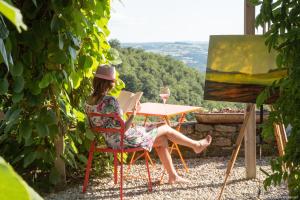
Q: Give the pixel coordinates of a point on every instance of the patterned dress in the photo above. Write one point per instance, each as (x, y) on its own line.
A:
(137, 136)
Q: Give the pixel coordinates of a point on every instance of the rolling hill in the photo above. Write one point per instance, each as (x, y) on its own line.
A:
(193, 54)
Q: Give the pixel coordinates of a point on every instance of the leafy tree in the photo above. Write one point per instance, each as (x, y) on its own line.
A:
(45, 75)
(114, 43)
(282, 18)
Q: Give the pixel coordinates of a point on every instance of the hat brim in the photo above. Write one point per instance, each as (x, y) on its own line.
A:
(105, 77)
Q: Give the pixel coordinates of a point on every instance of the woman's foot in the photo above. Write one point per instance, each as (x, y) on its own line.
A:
(177, 179)
(202, 144)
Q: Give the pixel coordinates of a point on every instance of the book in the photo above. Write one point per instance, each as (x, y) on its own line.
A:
(127, 100)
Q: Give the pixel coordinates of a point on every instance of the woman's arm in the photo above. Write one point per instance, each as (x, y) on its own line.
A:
(118, 110)
(129, 122)
(130, 119)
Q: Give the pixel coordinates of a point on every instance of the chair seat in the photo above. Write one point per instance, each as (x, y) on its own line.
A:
(126, 150)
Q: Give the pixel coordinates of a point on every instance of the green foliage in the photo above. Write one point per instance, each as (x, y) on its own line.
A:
(45, 76)
(13, 14)
(14, 187)
(282, 18)
(147, 72)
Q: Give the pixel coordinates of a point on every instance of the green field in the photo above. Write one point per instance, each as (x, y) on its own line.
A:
(239, 78)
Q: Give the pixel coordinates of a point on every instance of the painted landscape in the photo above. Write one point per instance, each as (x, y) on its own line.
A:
(239, 68)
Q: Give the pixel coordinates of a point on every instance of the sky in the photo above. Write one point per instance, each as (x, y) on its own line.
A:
(174, 20)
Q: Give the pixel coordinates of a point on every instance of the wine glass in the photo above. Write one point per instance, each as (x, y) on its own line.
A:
(164, 93)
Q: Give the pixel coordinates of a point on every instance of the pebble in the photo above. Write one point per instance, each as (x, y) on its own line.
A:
(206, 176)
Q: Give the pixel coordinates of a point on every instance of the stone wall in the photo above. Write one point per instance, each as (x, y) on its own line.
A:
(224, 138)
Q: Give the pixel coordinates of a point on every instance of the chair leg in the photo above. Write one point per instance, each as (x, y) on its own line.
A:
(121, 176)
(148, 170)
(88, 167)
(115, 168)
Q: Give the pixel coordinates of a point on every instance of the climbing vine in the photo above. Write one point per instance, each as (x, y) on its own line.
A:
(281, 17)
(45, 76)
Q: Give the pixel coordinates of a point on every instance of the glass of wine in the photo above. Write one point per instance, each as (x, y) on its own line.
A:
(164, 93)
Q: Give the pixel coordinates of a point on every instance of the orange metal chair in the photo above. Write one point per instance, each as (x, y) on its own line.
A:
(119, 130)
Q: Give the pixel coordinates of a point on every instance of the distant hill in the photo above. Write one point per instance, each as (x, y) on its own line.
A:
(193, 54)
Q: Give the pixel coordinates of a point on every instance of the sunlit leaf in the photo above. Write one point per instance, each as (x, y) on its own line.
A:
(85, 61)
(79, 115)
(46, 80)
(60, 41)
(74, 148)
(72, 52)
(13, 186)
(13, 14)
(75, 80)
(3, 52)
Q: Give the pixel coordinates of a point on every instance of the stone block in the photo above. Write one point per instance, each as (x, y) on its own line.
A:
(224, 128)
(203, 128)
(221, 141)
(187, 128)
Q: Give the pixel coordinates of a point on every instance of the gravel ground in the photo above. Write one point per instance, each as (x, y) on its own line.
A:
(206, 176)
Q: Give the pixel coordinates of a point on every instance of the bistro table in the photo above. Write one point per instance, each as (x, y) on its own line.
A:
(166, 111)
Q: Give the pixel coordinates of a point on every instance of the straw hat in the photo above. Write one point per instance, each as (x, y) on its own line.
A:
(106, 72)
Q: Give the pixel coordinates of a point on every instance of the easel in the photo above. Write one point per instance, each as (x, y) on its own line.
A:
(279, 132)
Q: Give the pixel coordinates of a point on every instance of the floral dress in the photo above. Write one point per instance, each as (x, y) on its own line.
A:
(137, 136)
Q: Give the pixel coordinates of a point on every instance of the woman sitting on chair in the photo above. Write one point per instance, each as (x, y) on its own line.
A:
(137, 136)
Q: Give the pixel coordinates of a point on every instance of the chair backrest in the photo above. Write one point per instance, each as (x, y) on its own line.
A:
(120, 129)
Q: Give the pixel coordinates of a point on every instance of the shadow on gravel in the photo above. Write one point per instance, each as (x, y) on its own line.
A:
(139, 190)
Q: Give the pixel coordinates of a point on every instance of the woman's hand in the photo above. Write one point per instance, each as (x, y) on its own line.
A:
(136, 108)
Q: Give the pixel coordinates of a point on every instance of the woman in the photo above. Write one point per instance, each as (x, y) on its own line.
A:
(137, 136)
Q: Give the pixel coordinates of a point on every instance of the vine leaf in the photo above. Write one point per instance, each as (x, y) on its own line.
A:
(3, 86)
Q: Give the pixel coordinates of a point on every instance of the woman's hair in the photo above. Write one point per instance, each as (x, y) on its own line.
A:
(101, 86)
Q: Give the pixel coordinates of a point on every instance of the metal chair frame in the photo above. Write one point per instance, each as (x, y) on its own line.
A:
(120, 130)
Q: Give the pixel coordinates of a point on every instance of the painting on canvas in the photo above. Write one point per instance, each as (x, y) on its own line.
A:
(239, 67)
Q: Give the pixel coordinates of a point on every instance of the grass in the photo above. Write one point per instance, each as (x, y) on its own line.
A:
(239, 78)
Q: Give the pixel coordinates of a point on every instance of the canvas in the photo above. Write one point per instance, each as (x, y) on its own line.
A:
(239, 67)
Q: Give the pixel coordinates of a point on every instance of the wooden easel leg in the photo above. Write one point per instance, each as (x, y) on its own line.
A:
(283, 134)
(280, 136)
(250, 109)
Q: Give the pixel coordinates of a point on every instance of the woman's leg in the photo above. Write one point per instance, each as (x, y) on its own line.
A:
(179, 138)
(161, 146)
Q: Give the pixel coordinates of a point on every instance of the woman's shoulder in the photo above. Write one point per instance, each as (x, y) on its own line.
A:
(91, 102)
